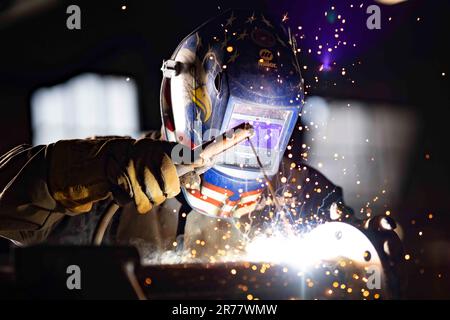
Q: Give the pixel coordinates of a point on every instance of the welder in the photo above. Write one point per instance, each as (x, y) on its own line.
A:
(238, 67)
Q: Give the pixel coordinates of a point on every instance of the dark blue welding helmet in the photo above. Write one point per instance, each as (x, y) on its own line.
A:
(238, 67)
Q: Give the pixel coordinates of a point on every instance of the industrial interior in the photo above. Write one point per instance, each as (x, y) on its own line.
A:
(373, 122)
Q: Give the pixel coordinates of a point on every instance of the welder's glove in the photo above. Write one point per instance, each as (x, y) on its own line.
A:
(83, 172)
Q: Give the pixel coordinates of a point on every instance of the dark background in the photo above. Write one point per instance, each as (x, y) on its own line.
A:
(402, 64)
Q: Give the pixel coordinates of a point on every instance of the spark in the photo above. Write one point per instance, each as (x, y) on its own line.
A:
(251, 19)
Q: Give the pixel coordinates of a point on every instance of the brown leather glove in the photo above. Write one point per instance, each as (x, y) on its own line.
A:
(85, 171)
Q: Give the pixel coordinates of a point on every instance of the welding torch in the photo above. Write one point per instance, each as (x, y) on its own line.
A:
(205, 157)
(207, 154)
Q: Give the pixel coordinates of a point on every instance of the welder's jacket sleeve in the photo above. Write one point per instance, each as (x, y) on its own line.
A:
(26, 207)
(32, 200)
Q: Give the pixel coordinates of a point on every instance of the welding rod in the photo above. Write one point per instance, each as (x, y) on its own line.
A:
(272, 191)
(208, 152)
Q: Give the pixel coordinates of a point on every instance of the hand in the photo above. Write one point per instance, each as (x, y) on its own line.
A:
(82, 172)
(150, 176)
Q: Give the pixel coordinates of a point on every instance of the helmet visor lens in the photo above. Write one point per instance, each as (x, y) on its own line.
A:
(273, 127)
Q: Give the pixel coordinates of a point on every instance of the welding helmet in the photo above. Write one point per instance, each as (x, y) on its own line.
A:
(238, 67)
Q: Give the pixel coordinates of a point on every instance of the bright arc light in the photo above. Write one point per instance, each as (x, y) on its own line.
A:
(327, 242)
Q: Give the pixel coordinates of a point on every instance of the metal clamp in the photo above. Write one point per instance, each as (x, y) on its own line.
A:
(170, 68)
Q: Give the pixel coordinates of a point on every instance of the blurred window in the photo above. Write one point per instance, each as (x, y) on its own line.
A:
(84, 106)
(362, 147)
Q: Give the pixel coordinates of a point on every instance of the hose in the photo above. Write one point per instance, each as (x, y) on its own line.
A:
(104, 223)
